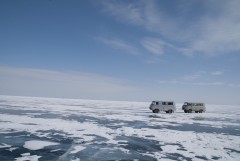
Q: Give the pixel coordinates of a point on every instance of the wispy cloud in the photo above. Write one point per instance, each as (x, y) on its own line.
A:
(233, 85)
(220, 32)
(200, 74)
(127, 12)
(200, 78)
(192, 77)
(156, 45)
(153, 60)
(217, 73)
(169, 82)
(209, 83)
(37, 82)
(118, 44)
(215, 31)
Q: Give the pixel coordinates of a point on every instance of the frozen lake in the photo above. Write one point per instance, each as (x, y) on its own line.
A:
(50, 129)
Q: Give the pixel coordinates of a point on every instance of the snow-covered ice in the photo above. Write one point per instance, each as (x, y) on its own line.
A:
(70, 129)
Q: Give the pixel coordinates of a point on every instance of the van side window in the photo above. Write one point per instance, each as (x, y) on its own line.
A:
(157, 103)
(170, 103)
(163, 103)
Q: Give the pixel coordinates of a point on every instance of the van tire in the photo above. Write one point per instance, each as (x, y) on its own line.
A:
(201, 111)
(155, 111)
(170, 111)
(185, 111)
(197, 111)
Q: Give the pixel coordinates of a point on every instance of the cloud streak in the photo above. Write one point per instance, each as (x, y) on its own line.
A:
(192, 77)
(118, 44)
(156, 46)
(210, 84)
(35, 82)
(153, 46)
(216, 73)
(198, 78)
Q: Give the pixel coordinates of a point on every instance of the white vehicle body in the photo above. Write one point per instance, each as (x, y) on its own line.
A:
(189, 107)
(167, 106)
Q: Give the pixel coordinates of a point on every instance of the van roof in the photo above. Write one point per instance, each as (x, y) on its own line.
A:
(194, 102)
(162, 101)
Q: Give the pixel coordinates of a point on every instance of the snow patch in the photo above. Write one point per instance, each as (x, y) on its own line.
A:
(5, 145)
(77, 149)
(28, 157)
(36, 144)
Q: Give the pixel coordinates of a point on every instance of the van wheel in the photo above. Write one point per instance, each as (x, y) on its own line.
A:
(170, 111)
(196, 111)
(156, 111)
(200, 111)
(189, 111)
(185, 111)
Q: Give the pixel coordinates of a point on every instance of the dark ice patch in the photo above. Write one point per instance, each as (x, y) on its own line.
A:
(140, 145)
(232, 150)
(48, 116)
(9, 111)
(18, 139)
(106, 152)
(215, 119)
(201, 157)
(28, 124)
(196, 127)
(198, 118)
(177, 156)
(215, 158)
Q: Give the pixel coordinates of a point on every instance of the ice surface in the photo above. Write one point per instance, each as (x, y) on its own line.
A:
(73, 130)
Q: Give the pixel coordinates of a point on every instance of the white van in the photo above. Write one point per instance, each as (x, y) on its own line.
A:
(189, 107)
(167, 106)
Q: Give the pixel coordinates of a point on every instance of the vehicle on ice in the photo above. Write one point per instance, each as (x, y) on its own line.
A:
(167, 106)
(189, 107)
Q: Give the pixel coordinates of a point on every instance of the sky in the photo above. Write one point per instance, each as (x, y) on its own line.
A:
(132, 50)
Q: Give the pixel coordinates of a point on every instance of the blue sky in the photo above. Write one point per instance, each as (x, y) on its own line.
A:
(121, 50)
